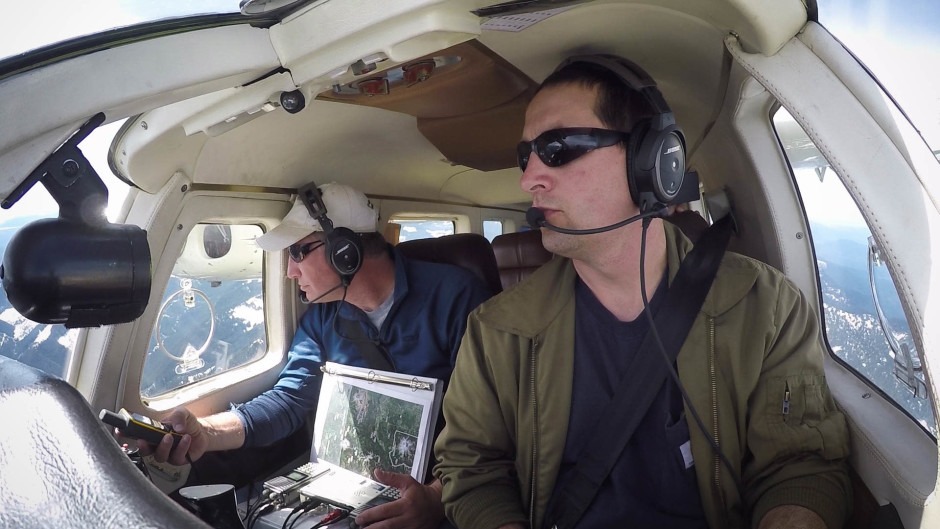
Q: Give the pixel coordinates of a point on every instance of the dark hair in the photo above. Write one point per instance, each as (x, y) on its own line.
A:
(618, 106)
(373, 243)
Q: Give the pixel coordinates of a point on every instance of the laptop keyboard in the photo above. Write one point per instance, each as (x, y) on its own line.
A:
(389, 494)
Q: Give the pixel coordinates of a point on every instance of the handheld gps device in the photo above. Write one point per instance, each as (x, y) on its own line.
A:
(137, 426)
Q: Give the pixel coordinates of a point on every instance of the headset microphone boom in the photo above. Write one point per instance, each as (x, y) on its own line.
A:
(535, 217)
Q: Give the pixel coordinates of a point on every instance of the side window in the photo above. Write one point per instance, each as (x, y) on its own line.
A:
(211, 317)
(492, 228)
(412, 228)
(43, 346)
(865, 325)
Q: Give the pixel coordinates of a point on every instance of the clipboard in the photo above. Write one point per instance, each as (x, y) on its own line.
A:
(383, 377)
(368, 418)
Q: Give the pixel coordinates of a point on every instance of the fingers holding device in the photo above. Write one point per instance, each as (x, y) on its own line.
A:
(136, 426)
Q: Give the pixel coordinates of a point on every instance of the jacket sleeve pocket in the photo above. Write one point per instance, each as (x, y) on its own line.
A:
(800, 416)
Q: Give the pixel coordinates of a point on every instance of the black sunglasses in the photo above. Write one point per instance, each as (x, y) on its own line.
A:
(557, 147)
(298, 251)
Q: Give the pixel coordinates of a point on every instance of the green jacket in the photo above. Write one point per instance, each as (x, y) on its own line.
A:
(754, 341)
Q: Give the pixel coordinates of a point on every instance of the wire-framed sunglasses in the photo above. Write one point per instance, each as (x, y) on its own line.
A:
(298, 251)
(557, 147)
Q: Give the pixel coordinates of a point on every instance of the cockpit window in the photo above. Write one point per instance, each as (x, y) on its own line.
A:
(412, 229)
(211, 317)
(898, 43)
(864, 325)
(55, 21)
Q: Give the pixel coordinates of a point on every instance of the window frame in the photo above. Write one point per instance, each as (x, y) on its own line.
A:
(215, 206)
(461, 222)
(820, 301)
(174, 293)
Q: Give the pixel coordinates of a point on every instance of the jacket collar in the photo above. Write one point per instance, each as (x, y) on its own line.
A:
(551, 289)
(401, 274)
(398, 293)
(735, 278)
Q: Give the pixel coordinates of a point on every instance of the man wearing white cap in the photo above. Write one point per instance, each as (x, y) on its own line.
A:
(370, 307)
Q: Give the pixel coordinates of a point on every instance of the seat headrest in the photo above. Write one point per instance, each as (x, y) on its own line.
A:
(468, 250)
(518, 255)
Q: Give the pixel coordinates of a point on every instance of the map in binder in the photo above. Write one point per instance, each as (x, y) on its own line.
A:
(368, 419)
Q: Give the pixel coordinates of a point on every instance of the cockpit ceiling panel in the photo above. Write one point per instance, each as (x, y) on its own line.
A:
(470, 102)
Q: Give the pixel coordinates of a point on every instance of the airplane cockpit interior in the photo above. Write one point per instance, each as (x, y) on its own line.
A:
(145, 149)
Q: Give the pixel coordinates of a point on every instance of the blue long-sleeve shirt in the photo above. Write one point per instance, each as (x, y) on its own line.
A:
(421, 333)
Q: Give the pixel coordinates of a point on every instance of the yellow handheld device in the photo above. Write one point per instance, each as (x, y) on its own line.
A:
(137, 426)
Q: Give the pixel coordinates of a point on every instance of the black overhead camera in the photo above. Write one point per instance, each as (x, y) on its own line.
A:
(293, 102)
(78, 269)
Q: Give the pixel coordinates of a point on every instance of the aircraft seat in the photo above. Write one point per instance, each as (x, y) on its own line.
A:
(518, 255)
(468, 250)
(521, 253)
(61, 466)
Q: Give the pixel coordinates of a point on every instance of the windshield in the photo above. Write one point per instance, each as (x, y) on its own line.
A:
(52, 21)
(900, 43)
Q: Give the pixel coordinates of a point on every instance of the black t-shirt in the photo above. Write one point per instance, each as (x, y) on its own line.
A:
(653, 483)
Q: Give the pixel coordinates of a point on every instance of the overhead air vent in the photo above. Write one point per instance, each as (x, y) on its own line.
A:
(515, 7)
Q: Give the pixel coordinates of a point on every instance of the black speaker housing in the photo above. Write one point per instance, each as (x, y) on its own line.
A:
(213, 504)
(63, 271)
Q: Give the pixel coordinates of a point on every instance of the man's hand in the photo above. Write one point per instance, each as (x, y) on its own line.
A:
(420, 505)
(194, 441)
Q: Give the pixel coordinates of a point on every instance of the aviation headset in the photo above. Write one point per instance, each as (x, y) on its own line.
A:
(656, 150)
(343, 246)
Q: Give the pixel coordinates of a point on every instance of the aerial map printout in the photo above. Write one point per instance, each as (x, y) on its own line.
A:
(369, 419)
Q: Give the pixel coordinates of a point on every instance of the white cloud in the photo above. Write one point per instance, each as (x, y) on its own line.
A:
(251, 312)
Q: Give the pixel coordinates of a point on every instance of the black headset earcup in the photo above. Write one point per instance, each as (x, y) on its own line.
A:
(669, 170)
(655, 165)
(633, 170)
(344, 252)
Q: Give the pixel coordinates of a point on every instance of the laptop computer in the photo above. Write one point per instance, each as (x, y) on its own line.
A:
(368, 419)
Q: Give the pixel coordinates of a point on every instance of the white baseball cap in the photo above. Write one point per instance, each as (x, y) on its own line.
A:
(345, 206)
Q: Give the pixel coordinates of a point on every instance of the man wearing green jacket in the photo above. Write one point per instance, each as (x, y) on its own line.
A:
(539, 363)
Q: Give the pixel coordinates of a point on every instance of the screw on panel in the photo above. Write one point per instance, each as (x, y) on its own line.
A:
(70, 168)
(143, 125)
(799, 235)
(184, 188)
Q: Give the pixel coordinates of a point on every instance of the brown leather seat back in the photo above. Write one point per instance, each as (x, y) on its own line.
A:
(518, 255)
(468, 250)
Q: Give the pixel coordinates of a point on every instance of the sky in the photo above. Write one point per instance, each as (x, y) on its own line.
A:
(72, 19)
(95, 148)
(900, 43)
